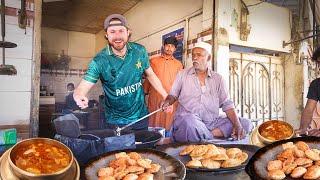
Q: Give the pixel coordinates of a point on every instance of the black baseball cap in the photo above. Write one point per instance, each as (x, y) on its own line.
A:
(115, 17)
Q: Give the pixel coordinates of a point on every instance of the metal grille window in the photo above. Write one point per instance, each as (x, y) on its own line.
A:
(256, 86)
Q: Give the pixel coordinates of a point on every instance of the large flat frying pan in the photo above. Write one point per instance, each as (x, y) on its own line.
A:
(144, 139)
(256, 167)
(174, 150)
(171, 168)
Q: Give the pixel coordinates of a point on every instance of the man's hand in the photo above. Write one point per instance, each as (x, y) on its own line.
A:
(82, 101)
(313, 132)
(166, 107)
(238, 132)
(301, 131)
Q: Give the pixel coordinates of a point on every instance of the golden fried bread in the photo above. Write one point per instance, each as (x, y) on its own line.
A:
(273, 165)
(121, 155)
(288, 145)
(131, 177)
(302, 146)
(145, 176)
(242, 157)
(231, 163)
(299, 153)
(145, 163)
(288, 168)
(313, 172)
(298, 172)
(311, 154)
(134, 155)
(199, 150)
(220, 157)
(211, 152)
(232, 152)
(108, 171)
(187, 150)
(303, 161)
(210, 164)
(154, 168)
(287, 153)
(131, 162)
(106, 178)
(317, 163)
(222, 150)
(276, 174)
(133, 169)
(194, 164)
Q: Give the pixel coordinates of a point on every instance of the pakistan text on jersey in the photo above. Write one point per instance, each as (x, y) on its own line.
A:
(128, 89)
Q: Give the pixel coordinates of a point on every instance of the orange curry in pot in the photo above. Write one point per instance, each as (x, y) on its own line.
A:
(275, 130)
(42, 158)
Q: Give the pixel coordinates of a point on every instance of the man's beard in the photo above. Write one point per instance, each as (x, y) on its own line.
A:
(118, 46)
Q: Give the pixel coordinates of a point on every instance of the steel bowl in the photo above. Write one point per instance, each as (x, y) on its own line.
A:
(27, 175)
(265, 140)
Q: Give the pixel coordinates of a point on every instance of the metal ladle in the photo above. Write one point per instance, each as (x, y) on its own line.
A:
(118, 129)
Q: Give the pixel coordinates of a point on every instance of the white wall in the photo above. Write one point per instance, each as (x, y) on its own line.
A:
(270, 24)
(81, 47)
(15, 91)
(150, 16)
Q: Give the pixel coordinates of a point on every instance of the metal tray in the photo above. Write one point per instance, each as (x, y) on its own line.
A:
(256, 167)
(174, 150)
(171, 168)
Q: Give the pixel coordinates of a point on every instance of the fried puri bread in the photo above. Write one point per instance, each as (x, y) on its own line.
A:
(210, 164)
(220, 157)
(243, 156)
(298, 172)
(154, 168)
(302, 145)
(313, 172)
(187, 150)
(288, 145)
(131, 177)
(232, 152)
(313, 155)
(303, 161)
(274, 165)
(276, 174)
(288, 168)
(145, 176)
(231, 163)
(194, 164)
(129, 166)
(199, 150)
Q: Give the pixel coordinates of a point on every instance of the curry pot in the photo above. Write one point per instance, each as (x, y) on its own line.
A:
(265, 124)
(27, 175)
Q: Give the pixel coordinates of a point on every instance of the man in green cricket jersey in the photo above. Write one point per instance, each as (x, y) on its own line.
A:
(120, 66)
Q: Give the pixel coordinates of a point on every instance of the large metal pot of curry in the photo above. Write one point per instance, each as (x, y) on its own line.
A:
(274, 130)
(39, 159)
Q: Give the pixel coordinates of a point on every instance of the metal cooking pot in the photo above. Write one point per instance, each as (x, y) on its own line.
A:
(27, 175)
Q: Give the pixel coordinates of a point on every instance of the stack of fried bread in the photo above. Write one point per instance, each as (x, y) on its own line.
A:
(129, 166)
(212, 157)
(296, 160)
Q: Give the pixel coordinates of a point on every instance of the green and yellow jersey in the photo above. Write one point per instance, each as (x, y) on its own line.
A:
(121, 79)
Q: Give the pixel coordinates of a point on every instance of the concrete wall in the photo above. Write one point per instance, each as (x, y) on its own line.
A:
(149, 20)
(81, 47)
(270, 24)
(15, 91)
(293, 90)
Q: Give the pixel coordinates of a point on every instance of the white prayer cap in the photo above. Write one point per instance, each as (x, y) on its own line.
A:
(203, 45)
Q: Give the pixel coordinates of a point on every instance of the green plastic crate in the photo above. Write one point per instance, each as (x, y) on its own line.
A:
(8, 136)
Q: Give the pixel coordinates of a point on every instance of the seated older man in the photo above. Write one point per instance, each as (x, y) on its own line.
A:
(200, 93)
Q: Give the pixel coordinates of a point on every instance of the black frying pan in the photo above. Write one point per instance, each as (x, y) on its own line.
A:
(171, 168)
(256, 167)
(174, 150)
(144, 139)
